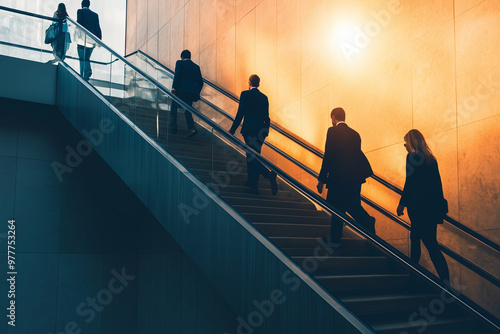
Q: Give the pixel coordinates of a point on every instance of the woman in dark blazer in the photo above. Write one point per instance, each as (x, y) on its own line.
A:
(424, 200)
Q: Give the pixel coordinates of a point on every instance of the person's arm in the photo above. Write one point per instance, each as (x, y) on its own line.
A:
(403, 201)
(442, 204)
(239, 114)
(267, 120)
(79, 16)
(199, 80)
(177, 75)
(325, 165)
(98, 28)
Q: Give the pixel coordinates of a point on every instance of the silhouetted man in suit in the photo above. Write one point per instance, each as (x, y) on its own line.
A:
(344, 169)
(90, 21)
(254, 108)
(186, 86)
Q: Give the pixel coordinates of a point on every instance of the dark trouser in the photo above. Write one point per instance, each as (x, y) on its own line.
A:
(59, 45)
(84, 55)
(254, 167)
(425, 229)
(188, 99)
(347, 198)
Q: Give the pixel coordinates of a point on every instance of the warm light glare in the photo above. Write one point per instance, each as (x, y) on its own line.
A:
(347, 38)
(345, 33)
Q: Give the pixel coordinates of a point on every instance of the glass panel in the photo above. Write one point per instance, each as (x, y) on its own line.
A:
(22, 37)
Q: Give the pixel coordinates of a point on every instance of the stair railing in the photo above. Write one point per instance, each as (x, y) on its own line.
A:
(319, 154)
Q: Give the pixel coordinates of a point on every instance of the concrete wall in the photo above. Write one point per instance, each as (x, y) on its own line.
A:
(73, 237)
(392, 64)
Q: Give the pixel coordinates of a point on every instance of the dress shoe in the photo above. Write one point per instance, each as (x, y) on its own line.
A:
(191, 133)
(272, 181)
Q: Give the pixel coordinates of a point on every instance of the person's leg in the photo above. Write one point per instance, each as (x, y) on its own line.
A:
(253, 174)
(430, 241)
(415, 250)
(256, 142)
(335, 198)
(352, 195)
(81, 56)
(173, 116)
(189, 116)
(187, 99)
(87, 69)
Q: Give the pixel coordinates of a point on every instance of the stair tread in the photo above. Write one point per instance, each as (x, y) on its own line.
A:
(383, 325)
(381, 297)
(360, 276)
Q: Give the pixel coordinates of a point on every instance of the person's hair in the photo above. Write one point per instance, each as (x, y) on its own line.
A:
(186, 54)
(254, 80)
(415, 142)
(339, 114)
(61, 11)
(85, 3)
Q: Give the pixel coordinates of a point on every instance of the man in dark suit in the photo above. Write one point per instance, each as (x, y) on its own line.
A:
(186, 86)
(254, 108)
(344, 169)
(90, 21)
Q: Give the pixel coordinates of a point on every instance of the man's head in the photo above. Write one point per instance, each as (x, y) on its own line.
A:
(85, 3)
(254, 80)
(337, 115)
(186, 54)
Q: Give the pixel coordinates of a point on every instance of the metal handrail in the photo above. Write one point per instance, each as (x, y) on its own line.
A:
(31, 48)
(299, 187)
(22, 12)
(481, 313)
(318, 153)
(457, 257)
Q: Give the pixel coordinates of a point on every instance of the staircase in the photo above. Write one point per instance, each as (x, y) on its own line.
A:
(368, 281)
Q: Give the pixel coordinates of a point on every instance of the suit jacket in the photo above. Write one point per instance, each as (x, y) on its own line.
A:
(90, 21)
(254, 109)
(187, 79)
(343, 162)
(423, 190)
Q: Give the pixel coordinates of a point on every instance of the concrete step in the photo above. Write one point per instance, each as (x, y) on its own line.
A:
(423, 325)
(301, 242)
(320, 251)
(264, 193)
(288, 219)
(345, 265)
(260, 202)
(282, 211)
(388, 303)
(382, 282)
(292, 230)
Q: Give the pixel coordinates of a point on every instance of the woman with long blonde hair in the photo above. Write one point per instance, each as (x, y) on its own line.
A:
(424, 200)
